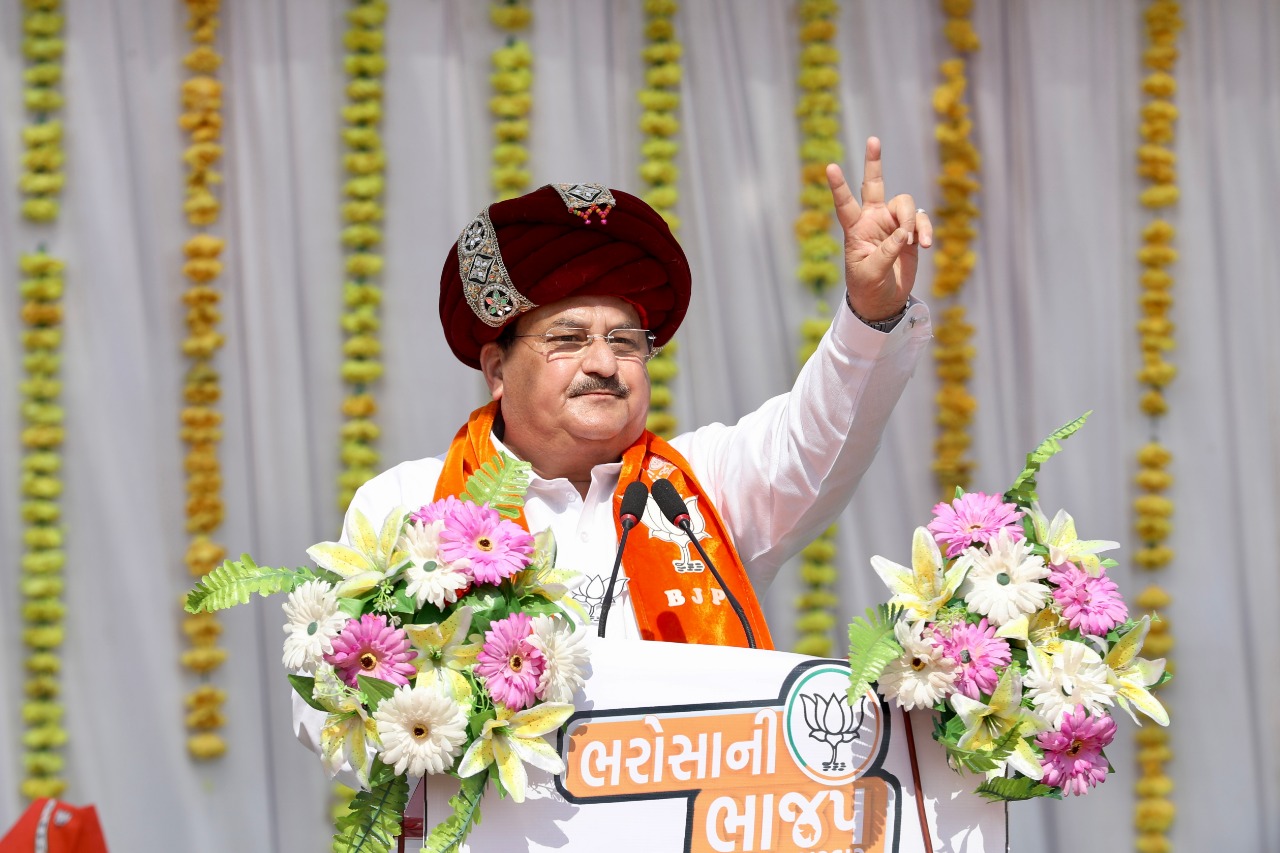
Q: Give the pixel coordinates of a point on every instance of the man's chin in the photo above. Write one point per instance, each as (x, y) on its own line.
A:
(606, 427)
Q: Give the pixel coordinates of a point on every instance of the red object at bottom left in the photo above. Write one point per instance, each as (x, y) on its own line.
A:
(50, 826)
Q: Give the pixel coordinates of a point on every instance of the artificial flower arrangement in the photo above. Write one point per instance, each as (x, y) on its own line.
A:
(440, 644)
(1015, 636)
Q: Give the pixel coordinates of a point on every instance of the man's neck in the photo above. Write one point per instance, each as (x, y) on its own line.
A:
(551, 460)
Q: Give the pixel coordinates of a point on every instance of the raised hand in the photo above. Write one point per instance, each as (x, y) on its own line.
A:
(881, 240)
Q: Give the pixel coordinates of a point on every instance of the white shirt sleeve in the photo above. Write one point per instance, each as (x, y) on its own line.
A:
(784, 472)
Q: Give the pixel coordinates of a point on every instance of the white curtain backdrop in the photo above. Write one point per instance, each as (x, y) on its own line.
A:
(1055, 90)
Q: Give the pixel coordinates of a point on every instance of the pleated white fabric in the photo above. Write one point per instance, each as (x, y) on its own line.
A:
(1054, 299)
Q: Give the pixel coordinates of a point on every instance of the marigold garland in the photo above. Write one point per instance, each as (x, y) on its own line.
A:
(512, 100)
(819, 115)
(200, 419)
(1153, 511)
(953, 254)
(43, 557)
(42, 178)
(659, 123)
(365, 163)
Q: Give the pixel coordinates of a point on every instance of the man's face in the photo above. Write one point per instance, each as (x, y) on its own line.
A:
(592, 397)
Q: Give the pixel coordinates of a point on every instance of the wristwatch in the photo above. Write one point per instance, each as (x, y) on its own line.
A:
(885, 325)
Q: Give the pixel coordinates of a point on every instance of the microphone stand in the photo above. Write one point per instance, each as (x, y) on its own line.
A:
(733, 601)
(633, 503)
(627, 524)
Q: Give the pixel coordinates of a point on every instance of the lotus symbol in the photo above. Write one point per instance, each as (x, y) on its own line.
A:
(591, 594)
(660, 528)
(832, 721)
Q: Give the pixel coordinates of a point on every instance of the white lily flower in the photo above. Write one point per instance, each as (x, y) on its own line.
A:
(1059, 536)
(512, 741)
(348, 731)
(925, 587)
(444, 653)
(987, 722)
(1131, 675)
(370, 558)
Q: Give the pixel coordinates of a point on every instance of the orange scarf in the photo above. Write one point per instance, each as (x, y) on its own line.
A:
(675, 597)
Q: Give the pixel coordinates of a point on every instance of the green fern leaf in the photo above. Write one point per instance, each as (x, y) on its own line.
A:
(448, 835)
(235, 581)
(1023, 490)
(1017, 788)
(501, 483)
(872, 646)
(373, 823)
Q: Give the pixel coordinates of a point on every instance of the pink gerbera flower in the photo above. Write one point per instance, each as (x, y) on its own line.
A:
(494, 547)
(435, 511)
(1089, 604)
(972, 519)
(1073, 759)
(370, 646)
(509, 663)
(977, 652)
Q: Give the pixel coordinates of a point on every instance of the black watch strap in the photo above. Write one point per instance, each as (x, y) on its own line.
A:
(885, 325)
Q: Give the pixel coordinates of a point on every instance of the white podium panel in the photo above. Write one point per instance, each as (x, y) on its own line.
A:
(701, 749)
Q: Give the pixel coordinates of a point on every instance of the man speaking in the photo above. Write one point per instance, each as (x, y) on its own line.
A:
(560, 297)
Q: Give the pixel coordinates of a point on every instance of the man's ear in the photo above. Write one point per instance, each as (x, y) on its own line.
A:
(491, 356)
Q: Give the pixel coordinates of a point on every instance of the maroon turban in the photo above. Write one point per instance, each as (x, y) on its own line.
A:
(560, 241)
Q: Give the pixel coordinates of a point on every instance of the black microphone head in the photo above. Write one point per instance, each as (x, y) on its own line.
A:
(670, 502)
(633, 501)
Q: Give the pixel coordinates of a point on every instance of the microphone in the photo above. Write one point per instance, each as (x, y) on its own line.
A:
(633, 503)
(673, 507)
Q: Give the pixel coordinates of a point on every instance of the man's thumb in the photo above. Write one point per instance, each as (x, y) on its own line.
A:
(879, 262)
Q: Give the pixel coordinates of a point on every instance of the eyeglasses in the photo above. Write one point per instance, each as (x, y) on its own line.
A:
(561, 342)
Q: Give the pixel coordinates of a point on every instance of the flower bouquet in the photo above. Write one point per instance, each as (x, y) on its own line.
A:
(1015, 636)
(441, 643)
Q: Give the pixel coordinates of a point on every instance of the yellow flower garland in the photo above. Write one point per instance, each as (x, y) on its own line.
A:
(819, 114)
(659, 100)
(42, 179)
(1153, 511)
(365, 163)
(201, 420)
(42, 434)
(953, 255)
(512, 82)
(43, 557)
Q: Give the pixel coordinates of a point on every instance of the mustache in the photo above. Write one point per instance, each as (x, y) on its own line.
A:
(595, 384)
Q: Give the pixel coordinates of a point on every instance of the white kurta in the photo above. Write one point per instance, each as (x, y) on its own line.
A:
(778, 477)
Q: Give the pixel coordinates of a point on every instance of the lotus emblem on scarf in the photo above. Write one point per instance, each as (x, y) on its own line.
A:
(660, 528)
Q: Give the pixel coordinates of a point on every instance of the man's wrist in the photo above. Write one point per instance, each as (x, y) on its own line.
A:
(885, 325)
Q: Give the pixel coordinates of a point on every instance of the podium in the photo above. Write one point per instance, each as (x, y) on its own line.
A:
(702, 749)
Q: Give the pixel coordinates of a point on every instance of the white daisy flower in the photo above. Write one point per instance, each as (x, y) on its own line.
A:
(430, 578)
(1004, 583)
(314, 620)
(923, 674)
(1076, 675)
(565, 651)
(421, 730)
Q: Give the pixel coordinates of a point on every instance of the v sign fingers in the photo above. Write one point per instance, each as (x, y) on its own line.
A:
(847, 209)
(881, 240)
(872, 175)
